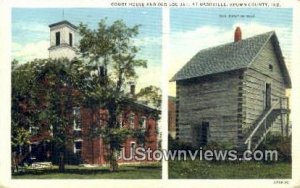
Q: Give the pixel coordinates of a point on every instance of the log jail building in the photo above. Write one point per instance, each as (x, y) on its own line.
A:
(238, 93)
(83, 149)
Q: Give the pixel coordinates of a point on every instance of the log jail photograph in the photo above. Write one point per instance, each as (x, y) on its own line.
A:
(230, 89)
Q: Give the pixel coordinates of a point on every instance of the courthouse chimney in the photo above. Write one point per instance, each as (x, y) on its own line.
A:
(237, 34)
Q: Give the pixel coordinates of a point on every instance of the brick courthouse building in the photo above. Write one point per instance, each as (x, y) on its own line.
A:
(82, 148)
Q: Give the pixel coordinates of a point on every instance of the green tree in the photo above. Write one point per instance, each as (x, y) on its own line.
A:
(60, 82)
(22, 93)
(43, 96)
(151, 95)
(110, 47)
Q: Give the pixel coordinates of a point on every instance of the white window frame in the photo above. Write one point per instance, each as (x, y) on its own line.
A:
(32, 157)
(121, 121)
(74, 146)
(144, 123)
(31, 128)
(101, 122)
(131, 120)
(121, 153)
(75, 127)
(132, 150)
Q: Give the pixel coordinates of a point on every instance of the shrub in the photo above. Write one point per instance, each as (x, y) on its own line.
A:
(219, 146)
(279, 143)
(174, 144)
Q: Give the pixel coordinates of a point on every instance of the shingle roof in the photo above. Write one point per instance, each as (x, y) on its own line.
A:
(227, 57)
(63, 22)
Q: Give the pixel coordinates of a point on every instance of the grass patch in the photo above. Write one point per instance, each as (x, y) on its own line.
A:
(138, 171)
(238, 170)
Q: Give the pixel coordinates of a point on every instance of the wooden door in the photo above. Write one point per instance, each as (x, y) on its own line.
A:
(204, 133)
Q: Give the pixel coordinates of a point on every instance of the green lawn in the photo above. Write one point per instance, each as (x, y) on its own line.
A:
(240, 170)
(138, 171)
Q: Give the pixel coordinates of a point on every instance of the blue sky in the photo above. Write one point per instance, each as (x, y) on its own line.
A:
(192, 18)
(194, 29)
(30, 32)
(150, 19)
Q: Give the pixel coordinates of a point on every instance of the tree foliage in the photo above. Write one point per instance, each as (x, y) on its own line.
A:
(111, 47)
(43, 96)
(151, 95)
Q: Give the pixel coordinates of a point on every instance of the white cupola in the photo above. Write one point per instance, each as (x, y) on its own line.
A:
(62, 40)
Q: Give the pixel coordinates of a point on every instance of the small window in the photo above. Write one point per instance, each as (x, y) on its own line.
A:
(143, 122)
(57, 38)
(70, 39)
(132, 89)
(121, 121)
(132, 147)
(121, 153)
(51, 130)
(102, 71)
(33, 130)
(76, 118)
(142, 145)
(32, 148)
(131, 121)
(270, 67)
(77, 147)
(102, 122)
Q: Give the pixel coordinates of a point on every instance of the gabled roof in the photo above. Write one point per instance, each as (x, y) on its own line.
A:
(155, 112)
(229, 57)
(63, 22)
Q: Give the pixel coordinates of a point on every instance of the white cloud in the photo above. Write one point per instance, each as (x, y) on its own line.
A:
(149, 76)
(184, 45)
(32, 26)
(30, 51)
(146, 41)
(16, 47)
(150, 46)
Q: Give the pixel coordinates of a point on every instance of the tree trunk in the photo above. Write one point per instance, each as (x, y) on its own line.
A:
(14, 162)
(112, 123)
(61, 162)
(93, 154)
(112, 110)
(114, 166)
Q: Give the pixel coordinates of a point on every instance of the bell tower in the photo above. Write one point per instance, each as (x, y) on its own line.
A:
(62, 40)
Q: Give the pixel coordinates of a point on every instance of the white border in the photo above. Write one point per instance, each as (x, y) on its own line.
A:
(5, 59)
(295, 93)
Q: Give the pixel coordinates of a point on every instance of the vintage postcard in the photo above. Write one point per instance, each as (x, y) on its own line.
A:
(149, 93)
